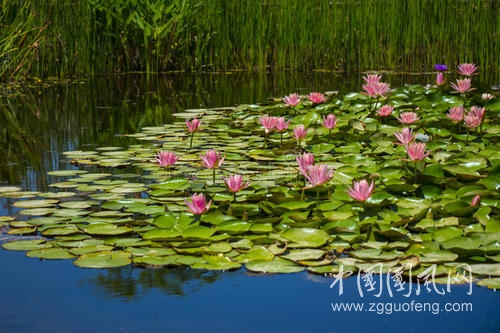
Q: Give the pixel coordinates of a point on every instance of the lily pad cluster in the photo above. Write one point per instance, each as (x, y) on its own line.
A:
(118, 206)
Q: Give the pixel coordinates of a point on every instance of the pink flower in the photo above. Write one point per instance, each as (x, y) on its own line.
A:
(408, 117)
(316, 97)
(472, 120)
(299, 132)
(456, 113)
(467, 69)
(440, 80)
(462, 86)
(305, 161)
(417, 151)
(372, 78)
(318, 174)
(405, 137)
(235, 183)
(212, 159)
(330, 121)
(198, 204)
(166, 158)
(292, 99)
(193, 125)
(361, 190)
(385, 110)
(376, 89)
(281, 124)
(478, 111)
(476, 201)
(268, 122)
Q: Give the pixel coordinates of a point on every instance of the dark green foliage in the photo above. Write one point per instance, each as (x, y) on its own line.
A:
(64, 38)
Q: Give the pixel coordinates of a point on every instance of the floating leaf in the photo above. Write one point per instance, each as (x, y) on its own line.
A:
(104, 259)
(277, 265)
(306, 237)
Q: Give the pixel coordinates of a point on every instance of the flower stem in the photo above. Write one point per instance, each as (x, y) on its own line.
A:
(213, 176)
(191, 141)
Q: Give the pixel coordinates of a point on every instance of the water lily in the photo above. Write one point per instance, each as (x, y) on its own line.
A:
(467, 69)
(292, 99)
(234, 183)
(299, 133)
(408, 118)
(198, 204)
(478, 111)
(372, 78)
(362, 190)
(330, 121)
(376, 89)
(472, 120)
(318, 174)
(281, 126)
(476, 201)
(166, 158)
(417, 151)
(440, 80)
(385, 110)
(316, 97)
(440, 67)
(268, 122)
(456, 113)
(304, 161)
(487, 97)
(192, 127)
(212, 160)
(405, 136)
(462, 86)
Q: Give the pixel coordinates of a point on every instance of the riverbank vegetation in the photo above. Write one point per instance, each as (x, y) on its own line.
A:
(61, 38)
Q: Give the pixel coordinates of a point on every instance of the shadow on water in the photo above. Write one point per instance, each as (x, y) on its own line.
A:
(41, 122)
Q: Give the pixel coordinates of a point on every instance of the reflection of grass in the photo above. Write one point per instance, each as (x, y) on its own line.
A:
(130, 283)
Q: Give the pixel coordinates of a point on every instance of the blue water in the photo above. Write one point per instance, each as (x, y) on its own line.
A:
(55, 296)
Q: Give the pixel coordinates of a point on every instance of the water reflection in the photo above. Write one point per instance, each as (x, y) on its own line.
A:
(42, 121)
(130, 283)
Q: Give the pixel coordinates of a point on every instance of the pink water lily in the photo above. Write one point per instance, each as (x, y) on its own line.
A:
(318, 174)
(212, 159)
(329, 121)
(316, 97)
(376, 89)
(462, 86)
(476, 201)
(305, 161)
(408, 118)
(235, 183)
(417, 151)
(299, 132)
(478, 111)
(268, 122)
(292, 99)
(281, 124)
(487, 97)
(467, 69)
(440, 80)
(372, 78)
(193, 125)
(198, 204)
(166, 158)
(472, 120)
(405, 136)
(456, 113)
(385, 110)
(361, 190)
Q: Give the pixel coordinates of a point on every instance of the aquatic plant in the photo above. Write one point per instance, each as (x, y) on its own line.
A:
(112, 206)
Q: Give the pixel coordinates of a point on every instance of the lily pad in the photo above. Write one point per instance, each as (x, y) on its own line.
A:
(104, 259)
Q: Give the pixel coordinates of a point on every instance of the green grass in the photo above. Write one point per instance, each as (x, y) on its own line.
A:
(98, 36)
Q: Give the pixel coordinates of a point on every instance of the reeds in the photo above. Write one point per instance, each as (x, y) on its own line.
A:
(96, 36)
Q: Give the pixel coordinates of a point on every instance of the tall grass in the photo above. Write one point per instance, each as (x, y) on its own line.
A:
(97, 36)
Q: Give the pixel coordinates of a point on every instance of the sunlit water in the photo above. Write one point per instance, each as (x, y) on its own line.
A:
(55, 296)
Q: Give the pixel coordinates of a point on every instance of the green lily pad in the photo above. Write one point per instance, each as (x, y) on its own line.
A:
(306, 237)
(277, 265)
(26, 245)
(50, 253)
(104, 259)
(304, 254)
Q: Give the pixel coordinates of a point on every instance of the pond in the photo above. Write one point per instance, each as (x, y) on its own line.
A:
(53, 295)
